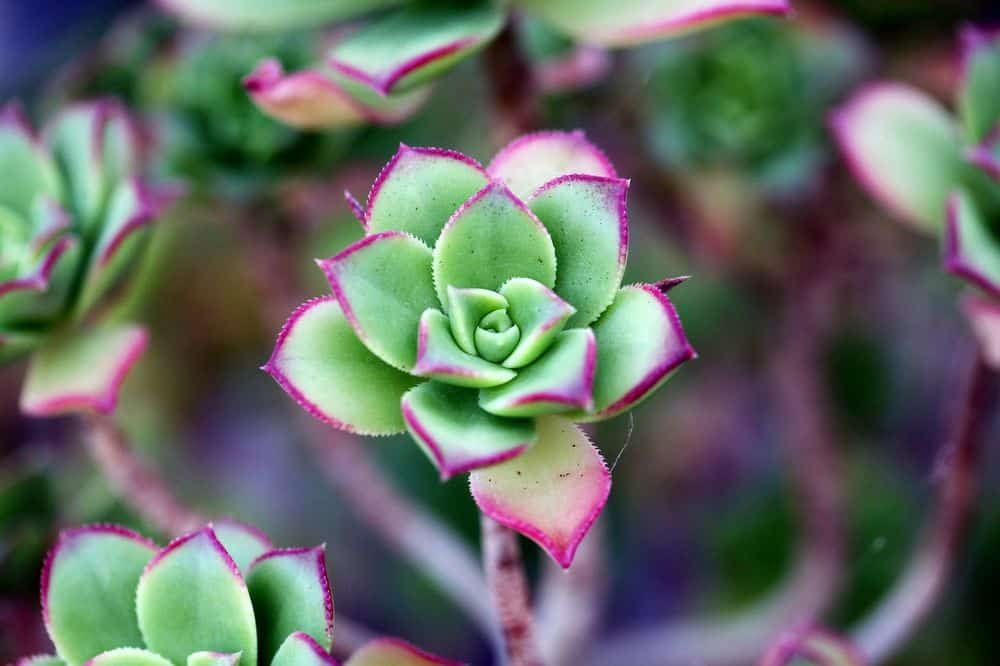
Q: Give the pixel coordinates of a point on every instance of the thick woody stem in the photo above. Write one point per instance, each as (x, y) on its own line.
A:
(136, 483)
(895, 620)
(513, 87)
(416, 535)
(508, 587)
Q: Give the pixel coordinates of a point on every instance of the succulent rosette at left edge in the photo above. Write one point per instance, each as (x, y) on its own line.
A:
(75, 216)
(483, 313)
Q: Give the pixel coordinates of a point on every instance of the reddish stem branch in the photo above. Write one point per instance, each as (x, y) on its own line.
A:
(416, 535)
(508, 587)
(901, 613)
(136, 483)
(512, 82)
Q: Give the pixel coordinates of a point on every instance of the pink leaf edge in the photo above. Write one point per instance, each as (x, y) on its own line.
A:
(39, 280)
(305, 99)
(562, 553)
(318, 556)
(841, 122)
(393, 643)
(985, 154)
(404, 151)
(68, 536)
(702, 17)
(273, 366)
(449, 467)
(618, 189)
(577, 139)
(317, 649)
(106, 399)
(204, 532)
(383, 83)
(955, 260)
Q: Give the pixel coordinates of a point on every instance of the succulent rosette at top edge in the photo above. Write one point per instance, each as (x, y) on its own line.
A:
(939, 173)
(75, 216)
(220, 596)
(483, 312)
(380, 72)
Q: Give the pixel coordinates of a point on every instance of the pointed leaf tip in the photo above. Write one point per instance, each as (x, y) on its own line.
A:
(300, 649)
(196, 573)
(551, 493)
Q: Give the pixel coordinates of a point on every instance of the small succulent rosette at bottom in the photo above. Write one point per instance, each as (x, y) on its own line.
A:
(220, 596)
(484, 314)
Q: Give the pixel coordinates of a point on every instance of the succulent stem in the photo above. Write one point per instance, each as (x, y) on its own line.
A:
(509, 590)
(138, 484)
(901, 613)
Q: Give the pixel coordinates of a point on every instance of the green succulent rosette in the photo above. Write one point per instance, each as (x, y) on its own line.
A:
(75, 216)
(220, 596)
(483, 312)
(382, 68)
(938, 172)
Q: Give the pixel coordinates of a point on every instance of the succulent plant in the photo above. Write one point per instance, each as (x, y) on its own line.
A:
(938, 173)
(75, 215)
(483, 312)
(220, 596)
(754, 93)
(390, 59)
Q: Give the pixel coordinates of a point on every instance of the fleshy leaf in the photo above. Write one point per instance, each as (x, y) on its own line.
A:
(213, 659)
(640, 342)
(394, 652)
(492, 238)
(267, 15)
(530, 161)
(28, 169)
(611, 23)
(41, 293)
(243, 542)
(438, 357)
(551, 493)
(971, 250)
(903, 148)
(291, 593)
(419, 189)
(540, 315)
(131, 208)
(192, 598)
(588, 221)
(320, 362)
(88, 590)
(979, 87)
(128, 656)
(456, 434)
(81, 370)
(300, 649)
(306, 99)
(984, 318)
(561, 380)
(383, 283)
(409, 47)
(465, 308)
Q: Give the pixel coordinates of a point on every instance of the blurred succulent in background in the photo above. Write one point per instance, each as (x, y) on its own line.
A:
(812, 648)
(751, 95)
(939, 173)
(386, 64)
(222, 595)
(75, 215)
(189, 86)
(484, 313)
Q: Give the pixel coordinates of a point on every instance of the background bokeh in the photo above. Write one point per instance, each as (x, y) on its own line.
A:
(735, 183)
